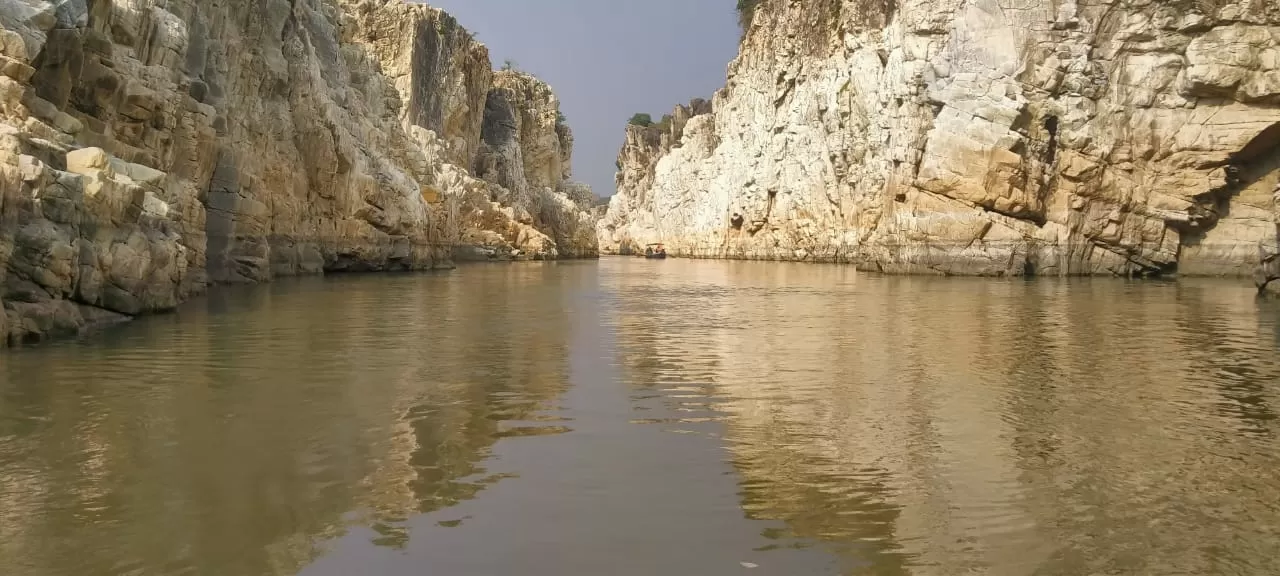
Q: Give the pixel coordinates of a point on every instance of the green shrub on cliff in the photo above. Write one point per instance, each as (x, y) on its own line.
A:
(641, 119)
(646, 121)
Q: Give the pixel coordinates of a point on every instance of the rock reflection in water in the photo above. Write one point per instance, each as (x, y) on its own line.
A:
(623, 417)
(942, 426)
(233, 436)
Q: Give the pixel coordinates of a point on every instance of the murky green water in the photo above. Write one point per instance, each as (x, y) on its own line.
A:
(636, 417)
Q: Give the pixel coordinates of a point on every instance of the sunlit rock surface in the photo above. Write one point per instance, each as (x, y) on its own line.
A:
(949, 137)
(149, 148)
(526, 151)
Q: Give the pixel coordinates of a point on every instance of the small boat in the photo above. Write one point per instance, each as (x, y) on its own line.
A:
(655, 251)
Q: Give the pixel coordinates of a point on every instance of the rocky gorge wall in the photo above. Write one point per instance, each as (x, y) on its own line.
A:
(986, 137)
(526, 151)
(149, 148)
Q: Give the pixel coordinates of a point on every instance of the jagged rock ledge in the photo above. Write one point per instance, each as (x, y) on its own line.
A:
(149, 148)
(949, 137)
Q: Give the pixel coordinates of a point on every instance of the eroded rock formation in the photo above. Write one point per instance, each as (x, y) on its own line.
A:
(976, 137)
(149, 148)
(526, 150)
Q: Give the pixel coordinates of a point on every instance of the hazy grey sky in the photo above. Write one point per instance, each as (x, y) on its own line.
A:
(608, 59)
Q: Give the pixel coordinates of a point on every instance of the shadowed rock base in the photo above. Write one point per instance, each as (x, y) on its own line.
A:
(33, 322)
(1268, 276)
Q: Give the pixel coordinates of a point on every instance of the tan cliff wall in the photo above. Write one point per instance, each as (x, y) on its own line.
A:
(526, 151)
(1267, 276)
(149, 148)
(975, 137)
(441, 72)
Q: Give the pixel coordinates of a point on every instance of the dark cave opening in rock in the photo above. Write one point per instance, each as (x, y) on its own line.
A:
(1051, 149)
(1265, 144)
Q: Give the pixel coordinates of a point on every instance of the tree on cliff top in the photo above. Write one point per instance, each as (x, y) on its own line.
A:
(641, 119)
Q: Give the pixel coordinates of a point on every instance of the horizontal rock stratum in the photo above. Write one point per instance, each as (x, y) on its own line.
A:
(149, 148)
(980, 137)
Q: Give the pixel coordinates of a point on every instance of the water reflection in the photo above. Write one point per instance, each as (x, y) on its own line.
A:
(230, 438)
(641, 417)
(944, 426)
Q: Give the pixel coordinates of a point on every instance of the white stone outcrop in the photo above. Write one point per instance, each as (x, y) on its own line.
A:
(939, 136)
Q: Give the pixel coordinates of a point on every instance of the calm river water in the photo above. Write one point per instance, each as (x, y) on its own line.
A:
(632, 417)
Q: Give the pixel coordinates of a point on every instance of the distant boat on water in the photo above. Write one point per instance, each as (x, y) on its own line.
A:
(655, 251)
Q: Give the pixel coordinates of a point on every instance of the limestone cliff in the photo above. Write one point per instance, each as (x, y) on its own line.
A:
(151, 147)
(526, 151)
(976, 137)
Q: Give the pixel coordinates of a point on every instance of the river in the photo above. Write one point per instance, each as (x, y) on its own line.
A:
(637, 417)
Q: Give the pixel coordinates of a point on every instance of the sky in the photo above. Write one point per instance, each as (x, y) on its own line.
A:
(607, 60)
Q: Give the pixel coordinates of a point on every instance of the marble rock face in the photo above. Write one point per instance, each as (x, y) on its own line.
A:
(149, 148)
(950, 137)
(525, 154)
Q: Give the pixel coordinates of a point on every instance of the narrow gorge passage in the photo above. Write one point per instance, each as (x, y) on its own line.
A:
(956, 287)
